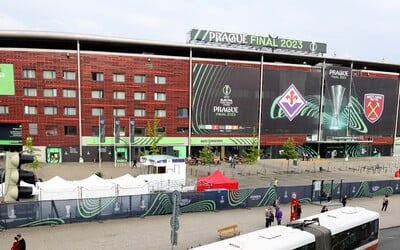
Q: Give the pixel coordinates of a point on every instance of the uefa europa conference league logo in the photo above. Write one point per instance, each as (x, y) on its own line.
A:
(226, 108)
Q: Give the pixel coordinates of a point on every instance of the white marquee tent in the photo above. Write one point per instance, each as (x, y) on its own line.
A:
(57, 189)
(129, 185)
(95, 187)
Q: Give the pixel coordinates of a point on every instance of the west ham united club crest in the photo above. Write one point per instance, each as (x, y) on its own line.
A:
(373, 106)
(291, 102)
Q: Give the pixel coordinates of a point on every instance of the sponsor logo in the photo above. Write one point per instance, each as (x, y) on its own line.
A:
(339, 73)
(255, 197)
(184, 202)
(291, 102)
(226, 108)
(373, 106)
(375, 188)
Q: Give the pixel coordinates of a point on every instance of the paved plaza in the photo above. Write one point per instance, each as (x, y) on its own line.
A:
(153, 232)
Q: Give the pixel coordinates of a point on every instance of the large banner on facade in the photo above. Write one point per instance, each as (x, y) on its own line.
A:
(225, 99)
(291, 101)
(373, 102)
(117, 128)
(132, 129)
(7, 79)
(336, 102)
(10, 134)
(102, 129)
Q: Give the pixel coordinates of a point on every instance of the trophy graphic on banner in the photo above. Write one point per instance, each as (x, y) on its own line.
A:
(337, 98)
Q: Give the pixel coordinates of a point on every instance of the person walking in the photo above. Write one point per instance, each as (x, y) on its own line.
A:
(275, 182)
(278, 215)
(134, 163)
(344, 200)
(21, 241)
(269, 216)
(277, 203)
(298, 211)
(15, 245)
(385, 203)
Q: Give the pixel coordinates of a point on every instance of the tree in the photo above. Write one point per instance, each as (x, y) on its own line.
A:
(206, 155)
(155, 136)
(252, 154)
(289, 150)
(31, 150)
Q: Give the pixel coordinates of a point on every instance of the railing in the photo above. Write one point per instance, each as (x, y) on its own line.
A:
(35, 213)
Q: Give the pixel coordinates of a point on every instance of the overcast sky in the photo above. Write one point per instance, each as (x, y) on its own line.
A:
(357, 29)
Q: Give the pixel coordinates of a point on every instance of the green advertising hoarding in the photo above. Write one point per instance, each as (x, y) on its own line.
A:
(7, 79)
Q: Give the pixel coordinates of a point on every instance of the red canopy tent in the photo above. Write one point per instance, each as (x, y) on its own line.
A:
(216, 180)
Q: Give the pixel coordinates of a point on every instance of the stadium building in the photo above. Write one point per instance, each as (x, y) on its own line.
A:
(84, 97)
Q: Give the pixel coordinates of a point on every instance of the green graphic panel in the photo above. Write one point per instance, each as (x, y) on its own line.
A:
(139, 141)
(7, 79)
(247, 141)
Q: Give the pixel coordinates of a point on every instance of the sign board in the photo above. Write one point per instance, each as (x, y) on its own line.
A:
(256, 42)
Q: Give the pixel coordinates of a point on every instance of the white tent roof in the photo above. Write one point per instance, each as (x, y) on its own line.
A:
(93, 181)
(57, 189)
(129, 185)
(128, 180)
(56, 183)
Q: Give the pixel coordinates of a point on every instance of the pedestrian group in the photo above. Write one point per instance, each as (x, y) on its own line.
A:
(18, 243)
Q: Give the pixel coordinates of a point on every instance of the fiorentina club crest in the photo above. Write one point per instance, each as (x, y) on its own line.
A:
(373, 106)
(291, 102)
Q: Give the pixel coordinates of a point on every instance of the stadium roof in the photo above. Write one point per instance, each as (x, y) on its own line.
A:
(68, 41)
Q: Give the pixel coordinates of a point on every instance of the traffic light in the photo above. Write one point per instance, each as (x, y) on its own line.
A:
(14, 175)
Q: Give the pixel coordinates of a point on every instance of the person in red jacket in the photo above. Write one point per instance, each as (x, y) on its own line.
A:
(15, 245)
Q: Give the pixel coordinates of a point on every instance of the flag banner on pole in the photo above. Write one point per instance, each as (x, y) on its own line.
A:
(117, 128)
(132, 130)
(102, 129)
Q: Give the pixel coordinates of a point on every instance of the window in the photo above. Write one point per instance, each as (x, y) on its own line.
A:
(118, 77)
(28, 73)
(97, 111)
(122, 131)
(140, 112)
(160, 113)
(160, 96)
(50, 92)
(33, 128)
(118, 112)
(183, 112)
(68, 75)
(160, 80)
(3, 109)
(161, 131)
(50, 110)
(70, 93)
(119, 95)
(98, 76)
(50, 130)
(30, 92)
(139, 96)
(49, 74)
(69, 130)
(139, 78)
(97, 94)
(140, 131)
(182, 130)
(30, 110)
(69, 111)
(95, 130)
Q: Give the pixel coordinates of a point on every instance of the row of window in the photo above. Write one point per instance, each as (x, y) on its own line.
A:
(53, 110)
(53, 130)
(95, 76)
(96, 94)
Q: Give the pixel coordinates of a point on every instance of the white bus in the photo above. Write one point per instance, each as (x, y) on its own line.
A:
(338, 229)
